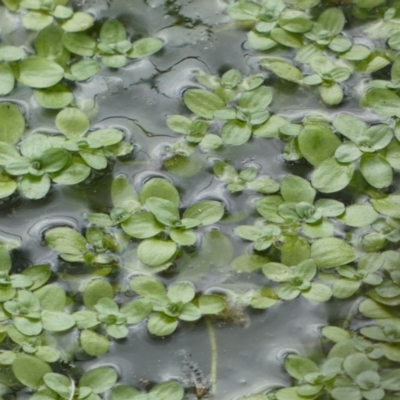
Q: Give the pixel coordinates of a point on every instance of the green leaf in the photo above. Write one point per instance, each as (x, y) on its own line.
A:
(75, 172)
(154, 252)
(332, 20)
(165, 211)
(30, 371)
(283, 69)
(65, 240)
(382, 101)
(208, 212)
(162, 325)
(38, 72)
(145, 47)
(183, 237)
(85, 69)
(295, 189)
(36, 21)
(123, 392)
(79, 22)
(52, 297)
(57, 321)
(318, 292)
(286, 38)
(332, 176)
(331, 252)
(12, 123)
(142, 225)
(34, 187)
(202, 103)
(72, 122)
(161, 188)
(294, 250)
(389, 205)
(376, 170)
(96, 290)
(79, 43)
(317, 144)
(137, 310)
(59, 383)
(299, 367)
(181, 291)
(55, 97)
(112, 31)
(168, 391)
(371, 309)
(335, 334)
(331, 94)
(244, 10)
(358, 215)
(7, 185)
(257, 99)
(211, 304)
(248, 263)
(99, 380)
(7, 80)
(236, 133)
(94, 344)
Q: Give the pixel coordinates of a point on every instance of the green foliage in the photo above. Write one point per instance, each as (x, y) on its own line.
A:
(178, 302)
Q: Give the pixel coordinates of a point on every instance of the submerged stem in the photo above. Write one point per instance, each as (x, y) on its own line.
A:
(214, 355)
(352, 311)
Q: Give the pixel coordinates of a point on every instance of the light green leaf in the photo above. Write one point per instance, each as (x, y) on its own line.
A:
(358, 215)
(34, 187)
(30, 371)
(332, 20)
(298, 366)
(208, 212)
(94, 344)
(162, 325)
(283, 69)
(65, 240)
(75, 172)
(211, 303)
(317, 143)
(55, 97)
(57, 321)
(99, 379)
(79, 43)
(295, 189)
(142, 225)
(331, 252)
(168, 391)
(331, 94)
(123, 392)
(7, 185)
(36, 21)
(145, 47)
(96, 290)
(38, 72)
(332, 176)
(137, 310)
(79, 22)
(85, 69)
(376, 170)
(154, 252)
(161, 188)
(7, 80)
(286, 38)
(202, 103)
(72, 122)
(12, 123)
(248, 263)
(52, 297)
(389, 205)
(235, 132)
(165, 211)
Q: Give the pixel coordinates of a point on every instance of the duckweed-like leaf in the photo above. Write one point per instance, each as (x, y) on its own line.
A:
(38, 72)
(207, 212)
(30, 371)
(99, 379)
(55, 97)
(162, 325)
(145, 47)
(7, 80)
(93, 343)
(161, 188)
(156, 252)
(202, 103)
(331, 252)
(65, 240)
(12, 123)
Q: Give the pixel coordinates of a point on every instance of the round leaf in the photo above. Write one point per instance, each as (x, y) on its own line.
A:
(156, 252)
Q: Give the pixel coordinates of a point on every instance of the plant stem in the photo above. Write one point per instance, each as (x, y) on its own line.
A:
(214, 355)
(352, 311)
